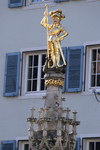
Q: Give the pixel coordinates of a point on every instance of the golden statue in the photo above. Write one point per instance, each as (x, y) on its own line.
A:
(55, 33)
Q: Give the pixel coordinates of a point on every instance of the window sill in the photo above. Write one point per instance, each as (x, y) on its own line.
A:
(91, 91)
(35, 5)
(35, 95)
(87, 93)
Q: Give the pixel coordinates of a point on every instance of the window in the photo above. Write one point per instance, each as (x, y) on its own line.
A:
(38, 3)
(21, 3)
(94, 145)
(35, 3)
(93, 68)
(24, 73)
(23, 145)
(91, 144)
(41, 3)
(26, 146)
(33, 74)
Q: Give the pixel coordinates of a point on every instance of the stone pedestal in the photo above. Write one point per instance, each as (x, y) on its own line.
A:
(53, 121)
(53, 100)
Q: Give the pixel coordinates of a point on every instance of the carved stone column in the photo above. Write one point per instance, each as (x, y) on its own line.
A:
(53, 100)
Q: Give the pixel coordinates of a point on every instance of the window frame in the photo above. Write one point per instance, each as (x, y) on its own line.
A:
(21, 144)
(88, 87)
(24, 91)
(86, 142)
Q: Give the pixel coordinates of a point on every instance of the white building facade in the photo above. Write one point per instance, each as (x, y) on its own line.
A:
(22, 55)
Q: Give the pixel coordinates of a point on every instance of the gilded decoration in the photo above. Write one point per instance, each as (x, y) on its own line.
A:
(54, 82)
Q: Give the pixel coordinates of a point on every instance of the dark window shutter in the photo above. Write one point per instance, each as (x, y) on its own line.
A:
(74, 69)
(15, 3)
(78, 144)
(12, 69)
(8, 145)
(58, 1)
(64, 49)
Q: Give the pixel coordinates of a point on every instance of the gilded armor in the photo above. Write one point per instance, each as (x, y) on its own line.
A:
(55, 33)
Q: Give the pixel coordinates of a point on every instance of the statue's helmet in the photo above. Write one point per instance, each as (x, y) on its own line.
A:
(57, 13)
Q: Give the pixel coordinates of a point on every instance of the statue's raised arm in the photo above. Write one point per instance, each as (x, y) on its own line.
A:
(55, 33)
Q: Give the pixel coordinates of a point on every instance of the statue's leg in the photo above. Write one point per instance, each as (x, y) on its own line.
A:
(57, 54)
(58, 59)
